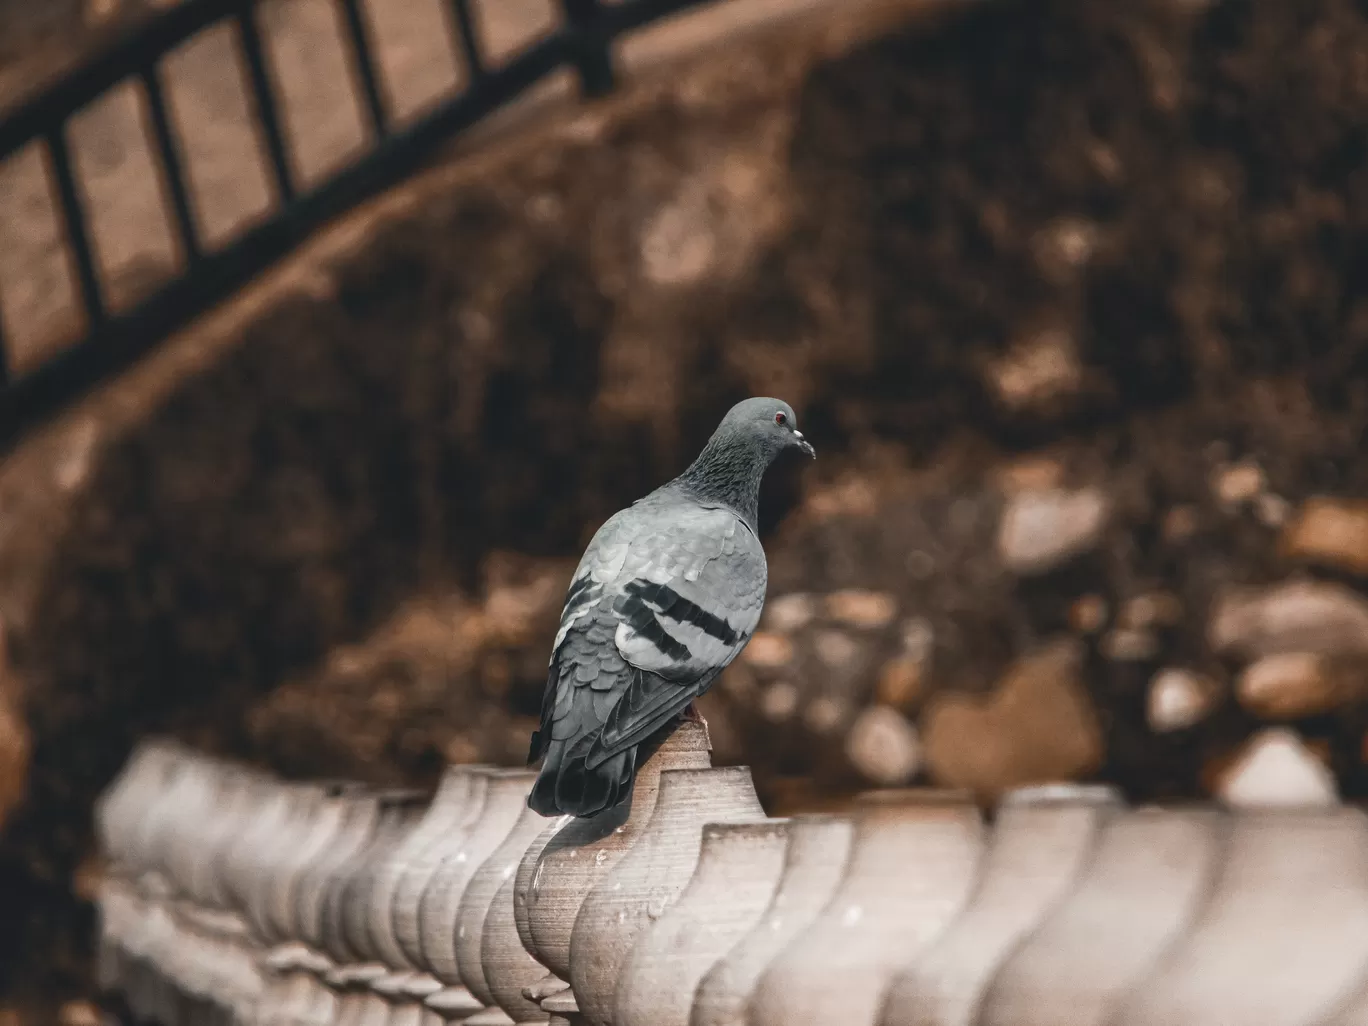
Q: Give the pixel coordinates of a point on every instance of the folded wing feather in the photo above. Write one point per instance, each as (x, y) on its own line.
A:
(682, 590)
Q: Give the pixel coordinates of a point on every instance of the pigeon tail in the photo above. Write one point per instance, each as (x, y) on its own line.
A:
(567, 786)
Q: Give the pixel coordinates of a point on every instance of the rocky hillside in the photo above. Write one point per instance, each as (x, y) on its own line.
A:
(1063, 293)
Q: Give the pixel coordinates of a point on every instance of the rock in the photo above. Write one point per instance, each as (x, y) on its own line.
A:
(96, 12)
(1276, 768)
(866, 609)
(1038, 726)
(1028, 474)
(79, 1013)
(1041, 529)
(679, 242)
(788, 613)
(1037, 370)
(1295, 616)
(883, 746)
(1063, 246)
(1179, 524)
(835, 648)
(1236, 483)
(1129, 645)
(1152, 609)
(769, 651)
(824, 714)
(1291, 685)
(1330, 532)
(779, 701)
(1179, 699)
(900, 683)
(918, 638)
(1272, 510)
(1088, 613)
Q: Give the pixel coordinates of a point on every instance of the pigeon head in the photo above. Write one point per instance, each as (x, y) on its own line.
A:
(769, 423)
(750, 437)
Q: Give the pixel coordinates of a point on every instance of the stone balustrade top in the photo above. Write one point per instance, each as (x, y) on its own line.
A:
(232, 897)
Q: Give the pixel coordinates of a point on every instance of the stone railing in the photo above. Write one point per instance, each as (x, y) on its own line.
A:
(235, 898)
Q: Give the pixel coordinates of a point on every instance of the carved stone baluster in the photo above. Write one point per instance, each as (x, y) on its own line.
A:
(394, 988)
(913, 863)
(161, 943)
(232, 870)
(347, 910)
(508, 964)
(650, 877)
(814, 862)
(460, 800)
(179, 957)
(365, 908)
(507, 796)
(1042, 843)
(131, 797)
(1148, 880)
(279, 861)
(149, 916)
(317, 896)
(476, 906)
(1284, 939)
(281, 865)
(551, 888)
(734, 881)
(291, 988)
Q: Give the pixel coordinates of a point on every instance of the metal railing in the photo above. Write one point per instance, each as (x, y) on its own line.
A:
(113, 339)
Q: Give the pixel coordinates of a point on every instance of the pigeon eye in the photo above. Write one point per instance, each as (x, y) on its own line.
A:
(781, 417)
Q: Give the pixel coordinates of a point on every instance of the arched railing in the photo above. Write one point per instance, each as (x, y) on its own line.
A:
(113, 339)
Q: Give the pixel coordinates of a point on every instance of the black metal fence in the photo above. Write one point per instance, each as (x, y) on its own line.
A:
(113, 340)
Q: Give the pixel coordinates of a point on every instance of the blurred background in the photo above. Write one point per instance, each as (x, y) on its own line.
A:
(1062, 290)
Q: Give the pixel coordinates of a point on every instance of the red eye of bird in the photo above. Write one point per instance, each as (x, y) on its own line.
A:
(780, 418)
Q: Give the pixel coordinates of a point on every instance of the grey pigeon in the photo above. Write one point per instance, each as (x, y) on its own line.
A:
(666, 595)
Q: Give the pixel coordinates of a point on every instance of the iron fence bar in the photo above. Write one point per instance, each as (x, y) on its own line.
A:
(77, 229)
(141, 44)
(593, 45)
(264, 97)
(358, 35)
(169, 154)
(467, 36)
(121, 340)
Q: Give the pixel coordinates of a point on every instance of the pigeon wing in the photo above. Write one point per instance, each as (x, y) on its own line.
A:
(687, 599)
(663, 599)
(583, 655)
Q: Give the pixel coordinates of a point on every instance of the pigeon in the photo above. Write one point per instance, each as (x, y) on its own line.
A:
(666, 595)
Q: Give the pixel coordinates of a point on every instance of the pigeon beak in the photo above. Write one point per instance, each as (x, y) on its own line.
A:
(805, 445)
